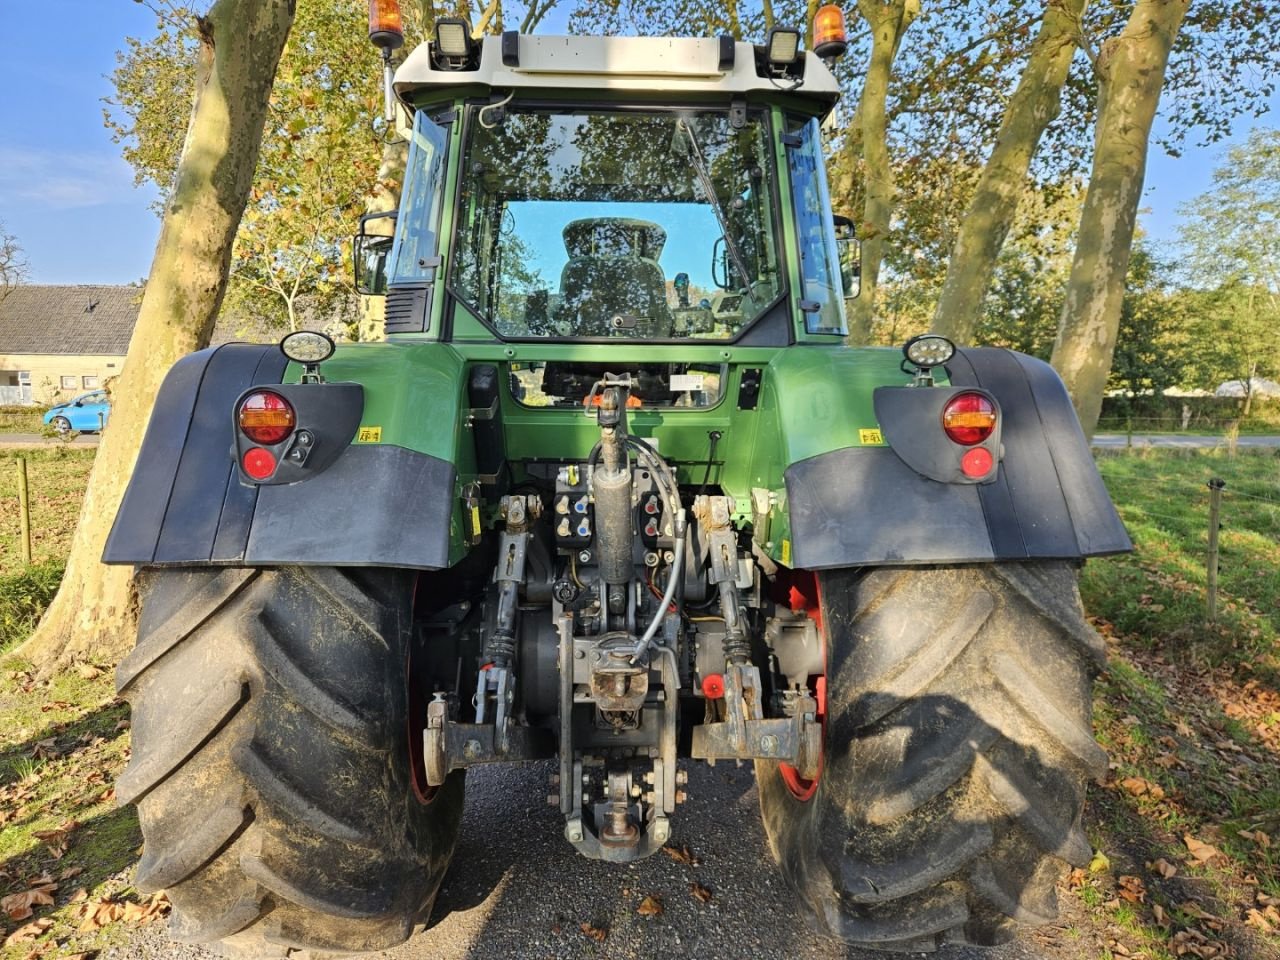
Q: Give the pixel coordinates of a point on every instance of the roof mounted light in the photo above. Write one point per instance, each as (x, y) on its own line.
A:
(386, 28)
(453, 41)
(829, 38)
(783, 46)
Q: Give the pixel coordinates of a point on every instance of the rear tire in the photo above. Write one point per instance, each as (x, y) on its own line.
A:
(957, 748)
(61, 426)
(271, 762)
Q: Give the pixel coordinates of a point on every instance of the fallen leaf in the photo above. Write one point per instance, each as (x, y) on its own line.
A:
(1161, 919)
(1202, 852)
(28, 932)
(650, 906)
(598, 934)
(1258, 837)
(1099, 863)
(100, 913)
(45, 749)
(700, 892)
(17, 906)
(88, 671)
(122, 725)
(1141, 787)
(1132, 889)
(1077, 879)
(1163, 867)
(80, 896)
(681, 854)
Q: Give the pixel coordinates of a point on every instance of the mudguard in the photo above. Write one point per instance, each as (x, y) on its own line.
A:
(863, 505)
(186, 504)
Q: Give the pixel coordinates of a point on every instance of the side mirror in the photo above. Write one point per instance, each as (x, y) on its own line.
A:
(371, 251)
(849, 249)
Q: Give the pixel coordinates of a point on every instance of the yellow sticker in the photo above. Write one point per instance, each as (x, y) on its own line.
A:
(786, 553)
(866, 437)
(475, 520)
(369, 435)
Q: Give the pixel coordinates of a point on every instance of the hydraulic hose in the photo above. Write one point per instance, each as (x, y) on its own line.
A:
(677, 570)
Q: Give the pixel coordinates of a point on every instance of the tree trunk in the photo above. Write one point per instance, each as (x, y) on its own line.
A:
(1033, 106)
(888, 22)
(1130, 70)
(240, 45)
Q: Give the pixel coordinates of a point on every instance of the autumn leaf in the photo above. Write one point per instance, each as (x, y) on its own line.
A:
(681, 854)
(1202, 852)
(592, 932)
(1132, 889)
(650, 906)
(1140, 787)
(88, 671)
(28, 932)
(1257, 836)
(1163, 867)
(17, 906)
(1099, 863)
(700, 892)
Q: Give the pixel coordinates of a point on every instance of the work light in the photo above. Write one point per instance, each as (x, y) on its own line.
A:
(453, 38)
(929, 350)
(783, 46)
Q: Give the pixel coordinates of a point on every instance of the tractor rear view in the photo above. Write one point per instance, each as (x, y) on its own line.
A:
(614, 493)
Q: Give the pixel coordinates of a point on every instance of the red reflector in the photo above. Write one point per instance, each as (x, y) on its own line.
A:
(969, 418)
(713, 686)
(258, 463)
(976, 462)
(266, 417)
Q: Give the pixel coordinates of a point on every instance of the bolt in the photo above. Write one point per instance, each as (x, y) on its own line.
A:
(669, 556)
(660, 831)
(768, 744)
(555, 779)
(575, 835)
(635, 790)
(681, 796)
(650, 558)
(649, 777)
(586, 798)
(649, 797)
(586, 778)
(471, 749)
(584, 556)
(682, 777)
(553, 799)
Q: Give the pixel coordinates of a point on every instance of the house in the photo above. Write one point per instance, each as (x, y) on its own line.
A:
(59, 341)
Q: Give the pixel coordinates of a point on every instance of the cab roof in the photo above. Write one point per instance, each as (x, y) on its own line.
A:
(645, 66)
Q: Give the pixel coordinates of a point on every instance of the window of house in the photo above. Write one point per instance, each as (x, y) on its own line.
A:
(89, 383)
(68, 383)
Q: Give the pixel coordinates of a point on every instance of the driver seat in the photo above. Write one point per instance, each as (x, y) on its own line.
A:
(612, 284)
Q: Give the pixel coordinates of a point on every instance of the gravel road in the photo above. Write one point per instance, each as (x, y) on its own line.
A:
(517, 890)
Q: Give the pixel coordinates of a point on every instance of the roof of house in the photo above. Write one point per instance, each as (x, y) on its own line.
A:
(80, 319)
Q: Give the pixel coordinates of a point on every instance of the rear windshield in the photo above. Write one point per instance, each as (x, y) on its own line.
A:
(617, 225)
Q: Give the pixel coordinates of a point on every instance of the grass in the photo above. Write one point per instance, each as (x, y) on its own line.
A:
(56, 479)
(1187, 707)
(21, 419)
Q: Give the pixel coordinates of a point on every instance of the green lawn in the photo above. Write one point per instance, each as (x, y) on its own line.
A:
(21, 420)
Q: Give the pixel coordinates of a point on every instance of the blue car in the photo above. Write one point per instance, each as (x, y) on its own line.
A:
(86, 413)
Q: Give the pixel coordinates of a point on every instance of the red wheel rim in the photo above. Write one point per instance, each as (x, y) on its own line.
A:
(801, 589)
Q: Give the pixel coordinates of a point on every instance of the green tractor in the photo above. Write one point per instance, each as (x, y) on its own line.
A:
(614, 493)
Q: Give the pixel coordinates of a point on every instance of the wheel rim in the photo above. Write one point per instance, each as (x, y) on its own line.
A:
(62, 424)
(804, 597)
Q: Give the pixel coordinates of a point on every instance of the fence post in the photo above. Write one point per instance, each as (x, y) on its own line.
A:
(1216, 486)
(24, 512)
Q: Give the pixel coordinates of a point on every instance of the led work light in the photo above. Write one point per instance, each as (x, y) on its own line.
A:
(783, 46)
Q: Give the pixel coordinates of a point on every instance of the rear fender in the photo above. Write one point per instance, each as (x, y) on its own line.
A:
(362, 504)
(875, 505)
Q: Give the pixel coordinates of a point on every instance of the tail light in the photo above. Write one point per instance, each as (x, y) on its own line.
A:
(266, 418)
(969, 418)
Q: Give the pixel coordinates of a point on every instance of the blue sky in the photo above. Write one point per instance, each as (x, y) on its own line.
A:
(69, 197)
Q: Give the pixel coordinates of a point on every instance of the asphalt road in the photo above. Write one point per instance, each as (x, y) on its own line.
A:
(1183, 440)
(517, 890)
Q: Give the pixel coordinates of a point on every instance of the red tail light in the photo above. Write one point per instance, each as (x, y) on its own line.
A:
(258, 463)
(266, 417)
(969, 418)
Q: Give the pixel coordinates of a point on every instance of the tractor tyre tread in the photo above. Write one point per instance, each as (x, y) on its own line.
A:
(957, 748)
(270, 762)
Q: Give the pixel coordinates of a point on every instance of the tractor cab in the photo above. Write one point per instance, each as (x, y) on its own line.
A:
(601, 190)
